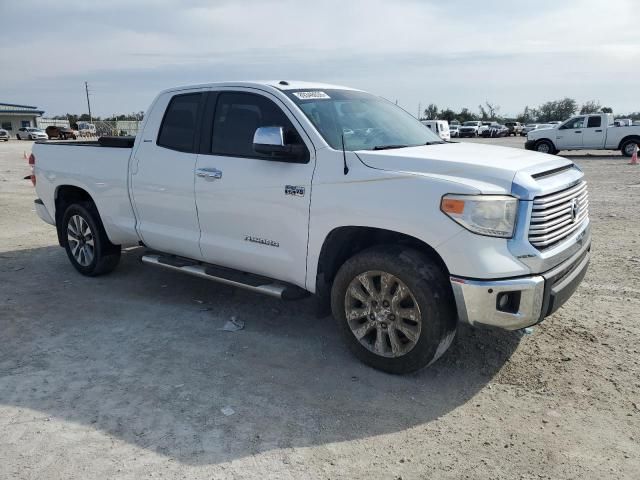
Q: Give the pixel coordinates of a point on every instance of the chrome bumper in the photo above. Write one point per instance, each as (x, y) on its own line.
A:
(531, 299)
(42, 212)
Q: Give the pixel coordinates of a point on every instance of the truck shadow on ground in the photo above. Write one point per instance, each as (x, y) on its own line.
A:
(139, 355)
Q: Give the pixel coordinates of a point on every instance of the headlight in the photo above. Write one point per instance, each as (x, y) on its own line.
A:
(491, 215)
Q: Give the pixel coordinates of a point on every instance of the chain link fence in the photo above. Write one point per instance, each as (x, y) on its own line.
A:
(109, 128)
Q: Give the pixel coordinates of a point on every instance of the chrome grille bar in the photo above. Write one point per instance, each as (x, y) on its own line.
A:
(556, 216)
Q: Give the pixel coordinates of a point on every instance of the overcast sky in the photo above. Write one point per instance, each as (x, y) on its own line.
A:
(453, 53)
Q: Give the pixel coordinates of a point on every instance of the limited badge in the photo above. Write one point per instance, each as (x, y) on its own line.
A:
(312, 95)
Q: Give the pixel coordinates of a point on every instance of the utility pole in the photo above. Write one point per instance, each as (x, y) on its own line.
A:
(419, 109)
(86, 89)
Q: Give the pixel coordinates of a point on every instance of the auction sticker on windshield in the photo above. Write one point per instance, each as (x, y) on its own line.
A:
(315, 95)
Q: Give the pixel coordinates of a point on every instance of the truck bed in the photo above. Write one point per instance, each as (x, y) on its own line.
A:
(100, 168)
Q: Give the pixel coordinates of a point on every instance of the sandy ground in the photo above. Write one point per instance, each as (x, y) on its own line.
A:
(130, 376)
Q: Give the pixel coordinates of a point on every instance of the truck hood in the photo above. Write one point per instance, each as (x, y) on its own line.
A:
(488, 168)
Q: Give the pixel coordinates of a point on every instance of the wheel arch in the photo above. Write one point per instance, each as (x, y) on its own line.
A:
(344, 242)
(627, 138)
(64, 196)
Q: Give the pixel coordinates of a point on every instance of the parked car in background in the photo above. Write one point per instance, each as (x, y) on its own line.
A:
(4, 135)
(484, 127)
(404, 237)
(439, 127)
(532, 126)
(86, 129)
(30, 133)
(623, 122)
(454, 130)
(515, 128)
(63, 133)
(496, 130)
(469, 128)
(593, 132)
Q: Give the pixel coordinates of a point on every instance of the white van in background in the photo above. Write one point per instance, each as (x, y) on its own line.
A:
(440, 127)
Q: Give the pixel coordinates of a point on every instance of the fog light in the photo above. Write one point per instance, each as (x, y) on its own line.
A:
(508, 302)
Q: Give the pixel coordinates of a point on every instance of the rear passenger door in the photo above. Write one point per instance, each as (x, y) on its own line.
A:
(253, 211)
(593, 136)
(162, 175)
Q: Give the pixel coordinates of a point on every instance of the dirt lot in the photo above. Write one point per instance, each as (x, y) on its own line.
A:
(129, 375)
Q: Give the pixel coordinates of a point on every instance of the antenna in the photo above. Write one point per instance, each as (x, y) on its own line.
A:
(344, 156)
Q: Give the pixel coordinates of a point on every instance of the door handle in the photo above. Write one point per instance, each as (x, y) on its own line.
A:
(578, 131)
(600, 131)
(212, 173)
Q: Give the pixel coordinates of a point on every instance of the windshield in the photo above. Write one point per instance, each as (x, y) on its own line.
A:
(34, 130)
(365, 121)
(470, 124)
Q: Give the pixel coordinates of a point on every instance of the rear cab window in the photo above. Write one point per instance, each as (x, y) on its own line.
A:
(178, 128)
(594, 122)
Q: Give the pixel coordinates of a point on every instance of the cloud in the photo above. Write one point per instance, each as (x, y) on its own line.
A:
(452, 53)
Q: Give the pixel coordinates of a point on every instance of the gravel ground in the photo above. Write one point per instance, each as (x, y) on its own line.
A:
(130, 376)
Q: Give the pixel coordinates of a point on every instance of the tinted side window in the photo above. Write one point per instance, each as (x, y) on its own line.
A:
(574, 123)
(178, 127)
(238, 116)
(594, 122)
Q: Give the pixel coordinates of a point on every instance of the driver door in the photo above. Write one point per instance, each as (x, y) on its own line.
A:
(570, 134)
(253, 210)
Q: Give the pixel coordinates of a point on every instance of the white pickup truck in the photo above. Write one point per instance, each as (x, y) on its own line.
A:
(291, 188)
(585, 132)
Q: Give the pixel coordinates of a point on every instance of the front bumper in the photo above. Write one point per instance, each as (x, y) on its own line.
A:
(529, 144)
(529, 299)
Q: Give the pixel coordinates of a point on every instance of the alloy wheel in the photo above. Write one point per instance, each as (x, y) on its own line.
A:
(81, 240)
(383, 314)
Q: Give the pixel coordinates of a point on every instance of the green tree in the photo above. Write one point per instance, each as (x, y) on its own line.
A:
(592, 106)
(556, 110)
(447, 114)
(528, 115)
(466, 115)
(607, 110)
(431, 112)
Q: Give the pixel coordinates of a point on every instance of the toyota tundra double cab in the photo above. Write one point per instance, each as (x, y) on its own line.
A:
(292, 188)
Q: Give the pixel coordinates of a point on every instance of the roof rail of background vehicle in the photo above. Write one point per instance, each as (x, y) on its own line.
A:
(261, 84)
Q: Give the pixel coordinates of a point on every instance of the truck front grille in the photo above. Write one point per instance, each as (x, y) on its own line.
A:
(557, 215)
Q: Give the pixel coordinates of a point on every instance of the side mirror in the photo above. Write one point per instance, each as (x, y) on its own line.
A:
(270, 141)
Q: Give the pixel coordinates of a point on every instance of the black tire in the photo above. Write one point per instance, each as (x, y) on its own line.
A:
(541, 144)
(105, 254)
(626, 145)
(431, 290)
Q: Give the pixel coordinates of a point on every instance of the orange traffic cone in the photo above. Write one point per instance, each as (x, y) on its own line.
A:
(634, 157)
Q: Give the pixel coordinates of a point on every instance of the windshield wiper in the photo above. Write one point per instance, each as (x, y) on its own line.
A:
(435, 143)
(388, 147)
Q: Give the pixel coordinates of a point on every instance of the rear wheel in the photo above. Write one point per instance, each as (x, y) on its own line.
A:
(628, 147)
(86, 242)
(395, 308)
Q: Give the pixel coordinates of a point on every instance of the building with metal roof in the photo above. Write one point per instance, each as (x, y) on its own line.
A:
(13, 117)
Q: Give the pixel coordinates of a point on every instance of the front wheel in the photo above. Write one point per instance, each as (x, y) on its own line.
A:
(395, 308)
(86, 242)
(545, 146)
